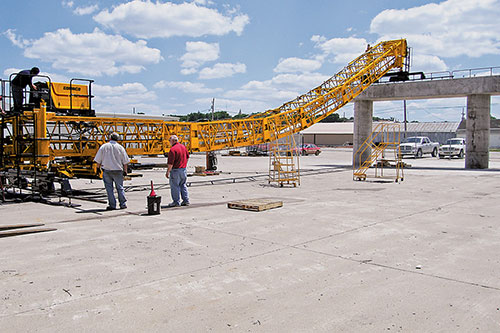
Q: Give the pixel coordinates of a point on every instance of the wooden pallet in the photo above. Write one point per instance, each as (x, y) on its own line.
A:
(255, 205)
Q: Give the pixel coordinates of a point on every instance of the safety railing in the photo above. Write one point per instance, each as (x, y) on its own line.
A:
(447, 75)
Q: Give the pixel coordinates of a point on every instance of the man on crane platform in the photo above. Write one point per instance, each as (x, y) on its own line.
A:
(20, 81)
(1, 109)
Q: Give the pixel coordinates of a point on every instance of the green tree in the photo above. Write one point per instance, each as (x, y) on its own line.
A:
(334, 118)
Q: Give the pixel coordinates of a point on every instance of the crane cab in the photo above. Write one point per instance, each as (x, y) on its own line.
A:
(70, 99)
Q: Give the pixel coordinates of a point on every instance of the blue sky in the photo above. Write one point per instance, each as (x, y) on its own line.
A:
(173, 57)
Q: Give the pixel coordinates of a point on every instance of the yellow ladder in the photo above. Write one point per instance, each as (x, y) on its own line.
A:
(383, 148)
(284, 162)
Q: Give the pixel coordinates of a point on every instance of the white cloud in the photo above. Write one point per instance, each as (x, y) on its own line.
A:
(203, 2)
(189, 71)
(123, 98)
(68, 4)
(145, 19)
(135, 89)
(222, 70)
(16, 40)
(451, 28)
(294, 65)
(233, 106)
(198, 53)
(435, 109)
(92, 54)
(339, 50)
(85, 10)
(427, 63)
(435, 31)
(280, 89)
(449, 109)
(259, 96)
(187, 87)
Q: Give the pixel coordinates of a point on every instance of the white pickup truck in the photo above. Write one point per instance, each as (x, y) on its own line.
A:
(417, 146)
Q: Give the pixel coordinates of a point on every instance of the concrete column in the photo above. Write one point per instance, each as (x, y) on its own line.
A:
(363, 120)
(478, 132)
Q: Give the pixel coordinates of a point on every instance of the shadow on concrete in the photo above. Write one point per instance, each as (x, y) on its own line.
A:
(92, 211)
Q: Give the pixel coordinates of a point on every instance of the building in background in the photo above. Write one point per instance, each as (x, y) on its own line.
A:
(341, 134)
(137, 116)
(494, 132)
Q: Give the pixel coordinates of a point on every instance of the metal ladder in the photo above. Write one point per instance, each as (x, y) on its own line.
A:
(382, 147)
(284, 162)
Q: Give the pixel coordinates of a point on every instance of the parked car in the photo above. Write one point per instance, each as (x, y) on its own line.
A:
(309, 149)
(453, 147)
(417, 146)
(258, 150)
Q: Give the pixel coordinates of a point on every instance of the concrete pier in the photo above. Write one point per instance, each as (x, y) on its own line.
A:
(478, 132)
(363, 121)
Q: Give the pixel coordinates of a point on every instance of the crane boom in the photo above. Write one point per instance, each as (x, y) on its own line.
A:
(66, 144)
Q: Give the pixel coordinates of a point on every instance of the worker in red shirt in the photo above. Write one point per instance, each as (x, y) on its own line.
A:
(176, 172)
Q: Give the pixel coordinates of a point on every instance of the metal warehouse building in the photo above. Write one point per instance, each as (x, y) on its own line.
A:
(494, 132)
(341, 134)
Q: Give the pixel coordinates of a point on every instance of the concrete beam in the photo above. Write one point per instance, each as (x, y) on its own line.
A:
(363, 121)
(448, 88)
(478, 132)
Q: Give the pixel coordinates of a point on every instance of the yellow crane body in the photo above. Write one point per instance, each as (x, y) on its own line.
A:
(66, 145)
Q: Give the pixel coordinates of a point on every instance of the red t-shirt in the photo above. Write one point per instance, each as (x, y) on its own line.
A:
(178, 156)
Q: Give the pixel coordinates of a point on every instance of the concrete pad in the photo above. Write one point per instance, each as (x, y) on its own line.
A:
(340, 255)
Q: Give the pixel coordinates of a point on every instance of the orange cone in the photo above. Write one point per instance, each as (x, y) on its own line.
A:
(152, 194)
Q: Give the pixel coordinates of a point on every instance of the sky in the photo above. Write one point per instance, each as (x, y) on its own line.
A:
(174, 57)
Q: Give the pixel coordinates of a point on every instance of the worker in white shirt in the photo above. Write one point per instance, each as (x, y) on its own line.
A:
(113, 160)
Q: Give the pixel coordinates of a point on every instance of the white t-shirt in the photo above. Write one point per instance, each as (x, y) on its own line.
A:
(112, 156)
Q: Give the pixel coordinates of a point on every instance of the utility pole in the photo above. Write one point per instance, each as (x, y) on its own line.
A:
(213, 107)
(404, 110)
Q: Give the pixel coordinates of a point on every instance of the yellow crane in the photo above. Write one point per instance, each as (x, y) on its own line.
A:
(51, 143)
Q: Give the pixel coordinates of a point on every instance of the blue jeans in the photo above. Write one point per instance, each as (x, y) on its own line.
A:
(114, 176)
(178, 186)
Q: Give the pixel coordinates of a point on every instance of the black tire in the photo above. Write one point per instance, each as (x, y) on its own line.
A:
(317, 152)
(434, 152)
(461, 154)
(418, 154)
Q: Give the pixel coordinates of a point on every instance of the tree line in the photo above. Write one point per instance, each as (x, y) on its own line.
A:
(222, 115)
